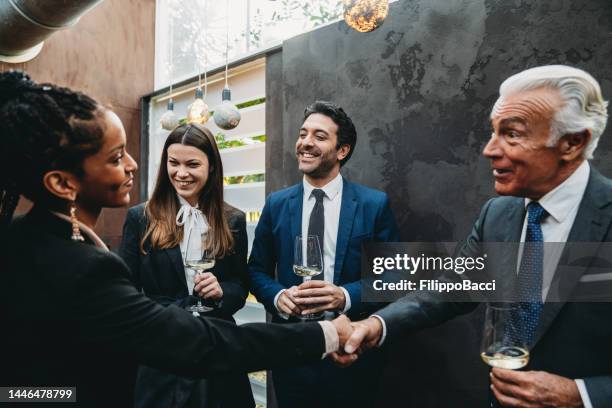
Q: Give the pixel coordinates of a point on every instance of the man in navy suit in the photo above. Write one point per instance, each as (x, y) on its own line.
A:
(546, 125)
(342, 215)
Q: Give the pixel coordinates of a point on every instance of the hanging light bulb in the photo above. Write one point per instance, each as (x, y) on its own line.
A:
(198, 112)
(169, 120)
(365, 15)
(227, 115)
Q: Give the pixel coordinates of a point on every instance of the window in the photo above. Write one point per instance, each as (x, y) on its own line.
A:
(195, 30)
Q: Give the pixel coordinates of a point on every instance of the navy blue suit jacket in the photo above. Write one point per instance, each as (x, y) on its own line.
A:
(364, 216)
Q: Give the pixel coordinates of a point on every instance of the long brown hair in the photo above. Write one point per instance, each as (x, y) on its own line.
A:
(163, 206)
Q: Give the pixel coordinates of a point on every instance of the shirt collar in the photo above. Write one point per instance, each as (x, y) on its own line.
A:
(560, 201)
(183, 202)
(331, 189)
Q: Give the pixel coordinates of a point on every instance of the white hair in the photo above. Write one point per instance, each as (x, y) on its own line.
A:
(584, 107)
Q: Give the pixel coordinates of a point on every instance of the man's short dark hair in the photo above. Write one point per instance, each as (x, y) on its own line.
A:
(347, 135)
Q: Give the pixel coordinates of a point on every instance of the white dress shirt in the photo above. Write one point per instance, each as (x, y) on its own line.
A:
(562, 205)
(332, 202)
(195, 228)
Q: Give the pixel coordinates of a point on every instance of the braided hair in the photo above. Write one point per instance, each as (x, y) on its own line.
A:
(43, 127)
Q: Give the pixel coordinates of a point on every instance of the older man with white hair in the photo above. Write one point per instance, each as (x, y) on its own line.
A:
(546, 125)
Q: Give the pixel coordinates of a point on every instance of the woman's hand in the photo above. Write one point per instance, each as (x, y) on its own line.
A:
(207, 286)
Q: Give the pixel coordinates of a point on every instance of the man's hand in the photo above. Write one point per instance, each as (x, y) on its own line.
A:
(344, 327)
(365, 335)
(534, 389)
(315, 296)
(286, 302)
(207, 286)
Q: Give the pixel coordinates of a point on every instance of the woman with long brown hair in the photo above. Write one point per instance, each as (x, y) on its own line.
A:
(70, 313)
(186, 215)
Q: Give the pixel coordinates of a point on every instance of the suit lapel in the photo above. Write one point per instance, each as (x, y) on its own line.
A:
(174, 255)
(348, 207)
(501, 246)
(590, 226)
(295, 212)
(516, 218)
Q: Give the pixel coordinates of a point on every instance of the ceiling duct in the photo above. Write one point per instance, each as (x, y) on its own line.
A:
(26, 24)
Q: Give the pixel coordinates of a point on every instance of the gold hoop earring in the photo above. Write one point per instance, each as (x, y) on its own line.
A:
(76, 232)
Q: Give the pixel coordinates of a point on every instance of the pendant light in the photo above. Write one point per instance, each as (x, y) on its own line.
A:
(198, 111)
(365, 15)
(169, 120)
(227, 115)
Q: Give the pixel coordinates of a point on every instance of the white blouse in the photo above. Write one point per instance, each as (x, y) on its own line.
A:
(195, 228)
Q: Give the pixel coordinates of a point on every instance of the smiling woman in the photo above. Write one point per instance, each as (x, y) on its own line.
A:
(112, 169)
(186, 215)
(82, 162)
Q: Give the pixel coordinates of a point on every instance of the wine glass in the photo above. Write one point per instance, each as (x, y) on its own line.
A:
(199, 262)
(308, 262)
(502, 343)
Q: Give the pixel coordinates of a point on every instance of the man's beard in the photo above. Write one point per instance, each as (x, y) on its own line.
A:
(325, 166)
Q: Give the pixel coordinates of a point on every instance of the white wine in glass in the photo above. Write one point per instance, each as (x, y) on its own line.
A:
(200, 265)
(308, 262)
(305, 271)
(502, 346)
(511, 358)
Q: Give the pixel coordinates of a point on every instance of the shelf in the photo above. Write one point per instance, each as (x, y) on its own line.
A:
(247, 196)
(258, 107)
(258, 386)
(239, 149)
(241, 136)
(250, 159)
(250, 227)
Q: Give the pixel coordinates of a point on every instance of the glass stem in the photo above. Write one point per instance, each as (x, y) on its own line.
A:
(199, 298)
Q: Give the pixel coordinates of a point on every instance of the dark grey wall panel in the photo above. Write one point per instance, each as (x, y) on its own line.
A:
(420, 90)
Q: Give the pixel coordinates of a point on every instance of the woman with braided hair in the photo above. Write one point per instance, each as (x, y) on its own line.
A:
(69, 311)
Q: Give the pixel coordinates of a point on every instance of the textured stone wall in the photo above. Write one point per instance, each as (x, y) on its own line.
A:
(420, 90)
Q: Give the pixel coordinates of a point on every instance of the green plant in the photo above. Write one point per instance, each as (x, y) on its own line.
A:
(249, 178)
(251, 103)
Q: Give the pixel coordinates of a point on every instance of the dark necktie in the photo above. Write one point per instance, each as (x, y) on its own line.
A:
(529, 286)
(316, 224)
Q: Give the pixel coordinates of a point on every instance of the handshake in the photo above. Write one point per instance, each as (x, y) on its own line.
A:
(355, 338)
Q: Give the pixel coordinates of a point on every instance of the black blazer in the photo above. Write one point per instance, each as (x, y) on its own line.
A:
(161, 275)
(71, 316)
(573, 338)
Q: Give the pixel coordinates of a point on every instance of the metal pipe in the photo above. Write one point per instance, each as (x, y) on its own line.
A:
(26, 24)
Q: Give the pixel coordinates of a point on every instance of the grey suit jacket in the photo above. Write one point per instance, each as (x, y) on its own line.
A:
(574, 338)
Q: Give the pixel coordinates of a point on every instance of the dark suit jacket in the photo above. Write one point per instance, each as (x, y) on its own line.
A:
(71, 316)
(573, 339)
(364, 216)
(161, 275)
